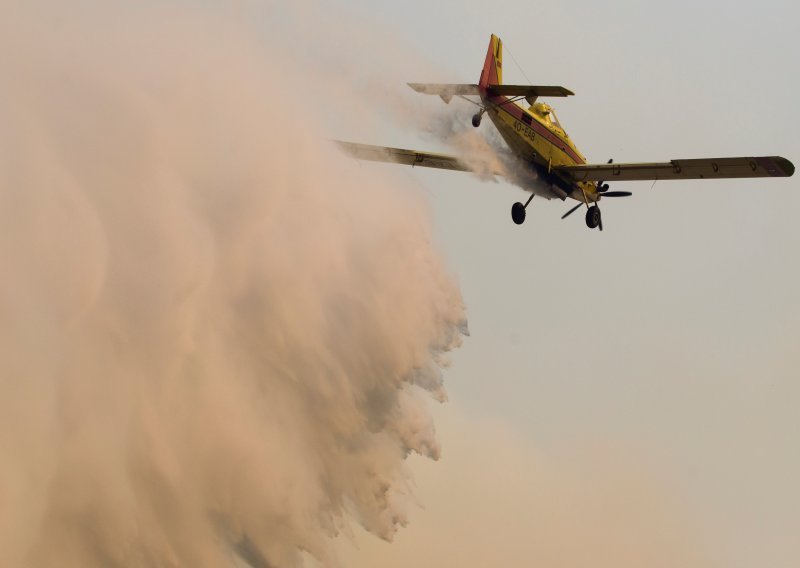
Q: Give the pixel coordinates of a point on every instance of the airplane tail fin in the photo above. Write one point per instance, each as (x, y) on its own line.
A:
(492, 73)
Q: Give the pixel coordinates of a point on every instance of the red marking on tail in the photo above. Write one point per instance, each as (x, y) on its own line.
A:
(492, 73)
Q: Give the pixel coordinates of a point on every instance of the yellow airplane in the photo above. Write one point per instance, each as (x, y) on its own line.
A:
(542, 151)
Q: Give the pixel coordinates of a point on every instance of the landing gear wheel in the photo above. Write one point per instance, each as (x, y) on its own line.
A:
(476, 119)
(593, 217)
(518, 213)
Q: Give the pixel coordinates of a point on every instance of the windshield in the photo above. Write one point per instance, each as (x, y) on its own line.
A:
(554, 119)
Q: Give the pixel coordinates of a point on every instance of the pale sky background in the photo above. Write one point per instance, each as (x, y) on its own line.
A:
(661, 353)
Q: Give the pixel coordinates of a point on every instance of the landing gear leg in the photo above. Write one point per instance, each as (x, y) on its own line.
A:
(518, 211)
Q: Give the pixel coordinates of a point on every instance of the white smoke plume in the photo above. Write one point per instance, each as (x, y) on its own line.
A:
(483, 149)
(376, 79)
(217, 333)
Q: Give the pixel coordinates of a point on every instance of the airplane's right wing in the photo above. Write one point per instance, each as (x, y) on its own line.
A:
(400, 156)
(702, 168)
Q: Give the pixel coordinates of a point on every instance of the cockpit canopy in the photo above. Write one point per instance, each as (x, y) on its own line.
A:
(546, 113)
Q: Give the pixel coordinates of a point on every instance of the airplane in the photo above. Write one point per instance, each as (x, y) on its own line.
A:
(546, 161)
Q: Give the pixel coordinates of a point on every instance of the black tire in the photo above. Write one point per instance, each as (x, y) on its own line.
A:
(593, 217)
(518, 213)
(476, 120)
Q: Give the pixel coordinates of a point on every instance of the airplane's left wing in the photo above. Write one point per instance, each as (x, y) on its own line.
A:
(702, 168)
(401, 156)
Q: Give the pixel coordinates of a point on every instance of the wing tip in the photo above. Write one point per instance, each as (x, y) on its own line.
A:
(785, 166)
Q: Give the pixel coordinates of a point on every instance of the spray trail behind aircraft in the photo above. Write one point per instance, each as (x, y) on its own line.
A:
(215, 336)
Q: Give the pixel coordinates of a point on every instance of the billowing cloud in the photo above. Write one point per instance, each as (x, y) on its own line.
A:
(218, 334)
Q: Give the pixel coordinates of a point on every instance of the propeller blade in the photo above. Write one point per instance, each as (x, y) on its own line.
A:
(617, 194)
(571, 211)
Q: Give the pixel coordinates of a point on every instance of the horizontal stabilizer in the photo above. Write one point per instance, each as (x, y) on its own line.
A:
(401, 156)
(702, 168)
(531, 91)
(445, 90)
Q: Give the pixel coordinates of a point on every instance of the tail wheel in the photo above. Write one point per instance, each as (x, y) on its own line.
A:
(476, 120)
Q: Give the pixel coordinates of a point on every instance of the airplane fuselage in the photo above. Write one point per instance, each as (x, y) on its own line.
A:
(540, 144)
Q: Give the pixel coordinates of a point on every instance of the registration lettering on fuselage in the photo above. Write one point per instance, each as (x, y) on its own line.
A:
(525, 131)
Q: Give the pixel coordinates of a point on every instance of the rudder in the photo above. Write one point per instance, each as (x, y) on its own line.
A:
(492, 73)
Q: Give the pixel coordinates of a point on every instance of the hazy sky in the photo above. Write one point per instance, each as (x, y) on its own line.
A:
(661, 350)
